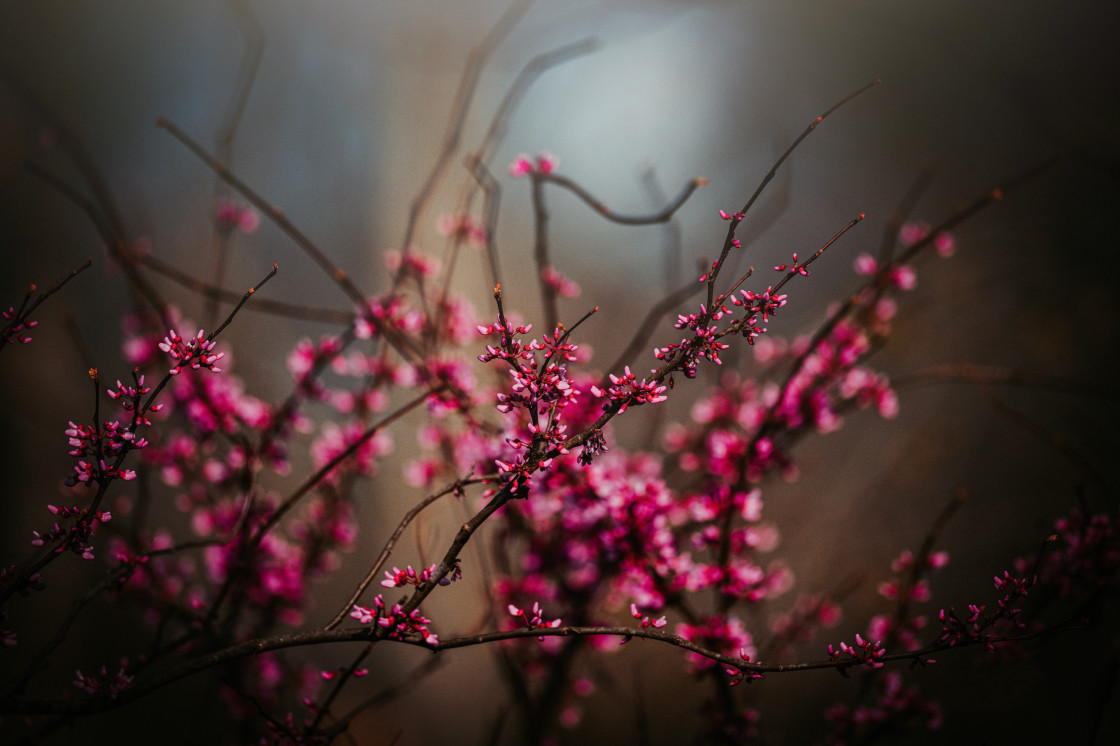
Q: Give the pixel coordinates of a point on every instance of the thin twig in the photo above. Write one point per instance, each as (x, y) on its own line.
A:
(254, 40)
(463, 96)
(274, 213)
(263, 305)
(663, 216)
(649, 324)
(989, 375)
(346, 453)
(454, 487)
(26, 310)
(738, 218)
(71, 706)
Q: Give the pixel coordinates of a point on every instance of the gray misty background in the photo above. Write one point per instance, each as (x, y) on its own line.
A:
(347, 114)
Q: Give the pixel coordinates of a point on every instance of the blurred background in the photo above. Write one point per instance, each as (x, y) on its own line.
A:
(346, 116)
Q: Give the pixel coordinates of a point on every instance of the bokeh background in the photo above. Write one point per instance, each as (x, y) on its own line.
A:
(345, 118)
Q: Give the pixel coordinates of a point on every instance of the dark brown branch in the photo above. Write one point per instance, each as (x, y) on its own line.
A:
(524, 81)
(880, 277)
(262, 305)
(365, 634)
(735, 221)
(101, 214)
(995, 376)
(454, 487)
(274, 213)
(664, 216)
(254, 40)
(471, 71)
(25, 310)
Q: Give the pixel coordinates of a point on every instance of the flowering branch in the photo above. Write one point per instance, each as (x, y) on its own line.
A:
(463, 95)
(363, 634)
(737, 218)
(456, 488)
(275, 213)
(261, 305)
(662, 216)
(676, 534)
(13, 331)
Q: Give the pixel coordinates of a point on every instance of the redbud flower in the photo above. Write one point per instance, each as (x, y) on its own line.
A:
(521, 166)
(644, 621)
(944, 244)
(14, 332)
(564, 287)
(231, 214)
(865, 264)
(463, 227)
(196, 353)
(535, 620)
(799, 269)
(903, 277)
(911, 233)
(545, 163)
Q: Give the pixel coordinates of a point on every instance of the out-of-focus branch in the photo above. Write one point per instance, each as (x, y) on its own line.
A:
(463, 97)
(274, 213)
(663, 216)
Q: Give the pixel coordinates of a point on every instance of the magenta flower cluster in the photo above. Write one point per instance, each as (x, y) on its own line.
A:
(16, 326)
(190, 494)
(398, 624)
(195, 352)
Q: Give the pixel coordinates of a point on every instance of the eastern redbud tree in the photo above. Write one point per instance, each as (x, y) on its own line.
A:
(558, 516)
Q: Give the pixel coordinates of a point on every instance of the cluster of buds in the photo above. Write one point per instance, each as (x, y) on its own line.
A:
(13, 331)
(399, 578)
(863, 652)
(76, 537)
(794, 268)
(644, 621)
(399, 625)
(545, 163)
(628, 390)
(129, 397)
(541, 390)
(534, 619)
(91, 447)
(196, 353)
(104, 683)
(739, 675)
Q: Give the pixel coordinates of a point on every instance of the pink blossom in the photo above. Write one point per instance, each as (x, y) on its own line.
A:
(233, 214)
(522, 165)
(944, 244)
(903, 277)
(913, 232)
(563, 287)
(866, 265)
(464, 227)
